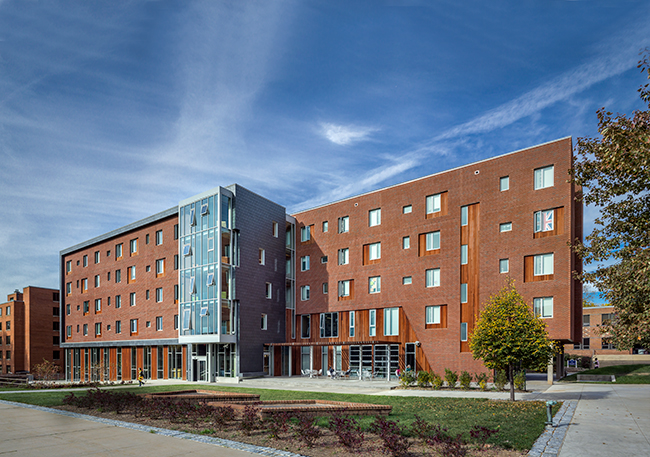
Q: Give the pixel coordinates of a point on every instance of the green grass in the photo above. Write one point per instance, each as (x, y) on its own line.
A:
(625, 374)
(519, 423)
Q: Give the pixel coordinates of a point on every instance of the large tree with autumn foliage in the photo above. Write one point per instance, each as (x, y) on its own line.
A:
(507, 333)
(614, 172)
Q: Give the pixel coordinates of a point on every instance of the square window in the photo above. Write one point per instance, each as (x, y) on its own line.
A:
(187, 249)
(432, 315)
(204, 209)
(344, 224)
(504, 265)
(543, 177)
(407, 209)
(432, 241)
(544, 221)
(586, 318)
(210, 279)
(406, 280)
(543, 264)
(325, 226)
(374, 217)
(543, 307)
(433, 203)
(504, 183)
(505, 227)
(344, 288)
(432, 277)
(374, 284)
(323, 259)
(304, 293)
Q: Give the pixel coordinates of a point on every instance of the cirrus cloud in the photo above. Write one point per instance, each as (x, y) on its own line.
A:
(345, 134)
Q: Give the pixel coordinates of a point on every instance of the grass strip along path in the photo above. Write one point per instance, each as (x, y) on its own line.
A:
(625, 374)
(520, 423)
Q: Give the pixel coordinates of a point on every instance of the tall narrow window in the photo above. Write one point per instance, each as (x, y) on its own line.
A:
(504, 265)
(463, 331)
(305, 323)
(344, 256)
(262, 256)
(325, 226)
(351, 315)
(344, 224)
(464, 216)
(304, 293)
(374, 251)
(374, 217)
(406, 242)
(304, 263)
(372, 322)
(275, 229)
(391, 321)
(544, 177)
(269, 290)
(160, 267)
(463, 254)
(432, 277)
(305, 233)
(159, 237)
(133, 246)
(504, 183)
(374, 284)
(463, 293)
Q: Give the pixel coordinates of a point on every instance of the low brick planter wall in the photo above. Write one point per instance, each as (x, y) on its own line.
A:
(317, 407)
(204, 395)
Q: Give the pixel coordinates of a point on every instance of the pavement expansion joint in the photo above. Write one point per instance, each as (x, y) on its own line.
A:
(260, 450)
(549, 443)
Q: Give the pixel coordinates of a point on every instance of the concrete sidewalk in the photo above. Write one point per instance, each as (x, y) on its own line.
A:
(28, 431)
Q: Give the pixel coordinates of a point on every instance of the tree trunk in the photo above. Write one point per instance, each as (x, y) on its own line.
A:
(511, 376)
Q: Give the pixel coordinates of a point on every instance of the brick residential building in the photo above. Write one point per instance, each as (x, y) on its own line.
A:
(29, 329)
(593, 342)
(236, 287)
(396, 276)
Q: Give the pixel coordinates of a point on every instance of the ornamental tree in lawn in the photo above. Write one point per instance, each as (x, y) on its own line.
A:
(614, 172)
(507, 333)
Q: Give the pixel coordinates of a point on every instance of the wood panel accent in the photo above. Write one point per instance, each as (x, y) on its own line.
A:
(470, 272)
(422, 246)
(558, 224)
(529, 271)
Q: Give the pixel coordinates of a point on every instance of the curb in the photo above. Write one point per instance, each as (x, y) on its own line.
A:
(549, 443)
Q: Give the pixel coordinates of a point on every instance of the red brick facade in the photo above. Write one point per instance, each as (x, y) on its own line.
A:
(476, 186)
(29, 324)
(594, 341)
(99, 308)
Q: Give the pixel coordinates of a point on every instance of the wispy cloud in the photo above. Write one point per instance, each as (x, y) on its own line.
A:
(345, 134)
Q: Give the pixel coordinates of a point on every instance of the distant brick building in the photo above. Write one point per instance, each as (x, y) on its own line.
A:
(29, 329)
(593, 342)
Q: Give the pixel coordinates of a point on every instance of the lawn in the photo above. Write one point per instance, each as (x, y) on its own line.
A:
(519, 423)
(625, 374)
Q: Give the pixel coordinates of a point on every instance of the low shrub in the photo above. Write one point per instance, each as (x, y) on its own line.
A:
(277, 423)
(436, 380)
(482, 380)
(222, 415)
(348, 431)
(465, 380)
(520, 380)
(423, 379)
(500, 380)
(451, 377)
(250, 419)
(407, 379)
(394, 442)
(306, 429)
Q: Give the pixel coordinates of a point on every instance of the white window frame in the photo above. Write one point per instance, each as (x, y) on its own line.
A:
(406, 242)
(464, 216)
(132, 299)
(344, 288)
(262, 257)
(374, 284)
(463, 331)
(432, 314)
(432, 277)
(269, 290)
(407, 280)
(505, 227)
(407, 209)
(351, 322)
(463, 254)
(374, 251)
(159, 294)
(325, 226)
(305, 233)
(543, 264)
(334, 325)
(160, 266)
(544, 177)
(159, 237)
(504, 183)
(133, 246)
(539, 225)
(543, 307)
(434, 203)
(304, 263)
(374, 217)
(159, 323)
(504, 266)
(463, 293)
(344, 224)
(304, 293)
(372, 322)
(344, 256)
(264, 322)
(391, 321)
(432, 240)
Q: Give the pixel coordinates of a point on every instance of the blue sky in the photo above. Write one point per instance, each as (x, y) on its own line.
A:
(112, 111)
